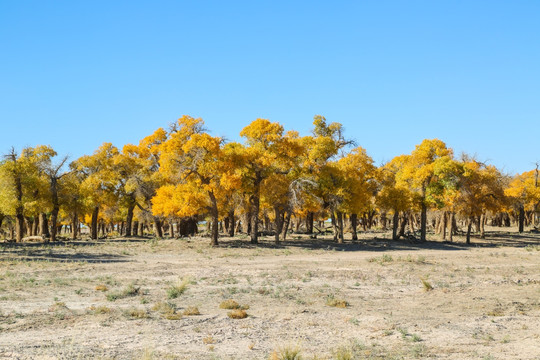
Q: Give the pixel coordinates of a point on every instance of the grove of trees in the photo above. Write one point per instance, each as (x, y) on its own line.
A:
(271, 183)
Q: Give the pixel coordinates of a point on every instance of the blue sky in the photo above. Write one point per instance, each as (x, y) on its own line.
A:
(75, 74)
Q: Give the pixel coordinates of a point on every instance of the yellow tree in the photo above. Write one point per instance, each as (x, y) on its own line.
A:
(360, 184)
(320, 166)
(480, 189)
(193, 163)
(267, 152)
(524, 192)
(141, 185)
(99, 181)
(418, 172)
(23, 188)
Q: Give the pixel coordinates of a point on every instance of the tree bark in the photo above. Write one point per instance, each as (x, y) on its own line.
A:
(158, 230)
(395, 221)
(469, 227)
(254, 201)
(94, 224)
(215, 219)
(44, 225)
(286, 225)
(423, 221)
(354, 223)
(280, 219)
(129, 219)
(444, 225)
(340, 227)
(309, 223)
(74, 225)
(483, 226)
(231, 222)
(521, 218)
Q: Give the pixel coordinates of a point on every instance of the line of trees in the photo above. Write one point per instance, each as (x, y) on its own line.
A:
(272, 182)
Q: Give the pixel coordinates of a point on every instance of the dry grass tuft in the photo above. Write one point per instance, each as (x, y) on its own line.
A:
(229, 304)
(237, 314)
(136, 313)
(178, 289)
(335, 302)
(287, 353)
(167, 311)
(427, 285)
(192, 310)
(100, 309)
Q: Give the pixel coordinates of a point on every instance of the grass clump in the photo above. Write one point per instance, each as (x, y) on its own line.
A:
(232, 305)
(287, 353)
(237, 314)
(128, 291)
(191, 311)
(167, 311)
(178, 289)
(427, 285)
(134, 313)
(100, 309)
(335, 302)
(382, 260)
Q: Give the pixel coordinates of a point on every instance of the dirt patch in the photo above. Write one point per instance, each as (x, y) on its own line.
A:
(374, 299)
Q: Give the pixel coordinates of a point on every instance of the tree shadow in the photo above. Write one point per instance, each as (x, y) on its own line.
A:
(49, 252)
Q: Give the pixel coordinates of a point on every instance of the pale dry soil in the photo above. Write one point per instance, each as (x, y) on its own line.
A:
(83, 299)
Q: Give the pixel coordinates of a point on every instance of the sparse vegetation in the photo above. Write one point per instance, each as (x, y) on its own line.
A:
(178, 289)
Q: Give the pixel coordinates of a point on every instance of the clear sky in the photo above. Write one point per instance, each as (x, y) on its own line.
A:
(75, 74)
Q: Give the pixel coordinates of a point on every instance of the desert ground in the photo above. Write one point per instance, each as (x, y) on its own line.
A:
(144, 298)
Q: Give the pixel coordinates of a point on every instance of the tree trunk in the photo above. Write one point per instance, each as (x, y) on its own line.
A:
(444, 225)
(395, 221)
(19, 227)
(521, 218)
(384, 220)
(280, 219)
(483, 226)
(129, 219)
(423, 221)
(309, 222)
(158, 230)
(404, 220)
(44, 225)
(334, 225)
(74, 225)
(254, 201)
(354, 223)
(94, 224)
(215, 219)
(232, 222)
(286, 225)
(54, 226)
(451, 223)
(340, 227)
(469, 227)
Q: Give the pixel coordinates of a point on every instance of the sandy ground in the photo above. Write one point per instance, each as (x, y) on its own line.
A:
(114, 299)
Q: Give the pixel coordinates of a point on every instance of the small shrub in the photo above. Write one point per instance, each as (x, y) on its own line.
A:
(167, 311)
(128, 291)
(190, 311)
(100, 309)
(136, 313)
(102, 287)
(237, 314)
(335, 302)
(427, 285)
(209, 340)
(287, 353)
(229, 304)
(178, 289)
